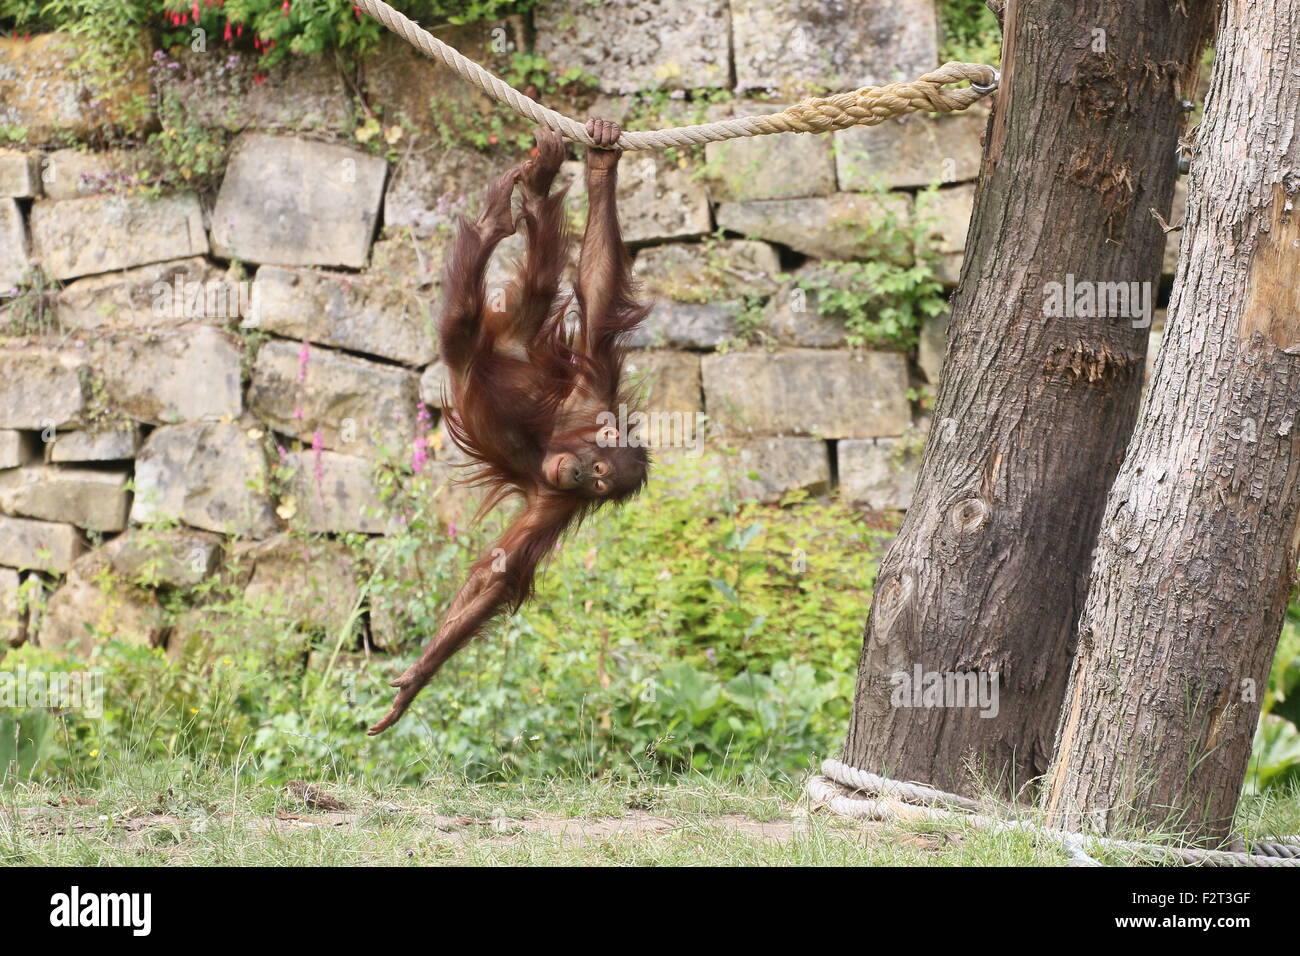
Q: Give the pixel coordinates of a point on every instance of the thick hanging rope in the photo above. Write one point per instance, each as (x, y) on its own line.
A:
(865, 107)
(855, 793)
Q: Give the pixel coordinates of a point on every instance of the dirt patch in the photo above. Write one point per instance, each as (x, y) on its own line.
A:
(503, 830)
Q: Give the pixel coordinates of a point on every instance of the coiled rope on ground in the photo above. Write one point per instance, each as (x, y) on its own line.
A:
(852, 792)
(864, 107)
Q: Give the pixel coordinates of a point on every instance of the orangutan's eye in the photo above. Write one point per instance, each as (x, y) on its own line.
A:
(601, 487)
(600, 469)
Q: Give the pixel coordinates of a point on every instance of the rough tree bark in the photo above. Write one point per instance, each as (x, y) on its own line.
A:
(1198, 549)
(989, 570)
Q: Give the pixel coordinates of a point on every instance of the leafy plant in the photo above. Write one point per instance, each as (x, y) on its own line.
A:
(28, 308)
(1275, 761)
(272, 28)
(187, 150)
(880, 302)
(676, 633)
(970, 32)
(883, 300)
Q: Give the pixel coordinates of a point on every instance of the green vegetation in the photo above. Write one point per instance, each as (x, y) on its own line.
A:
(883, 300)
(272, 28)
(184, 148)
(968, 32)
(674, 637)
(671, 635)
(31, 310)
(880, 302)
(1275, 761)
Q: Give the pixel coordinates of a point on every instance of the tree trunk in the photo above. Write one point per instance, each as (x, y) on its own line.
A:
(1198, 548)
(990, 568)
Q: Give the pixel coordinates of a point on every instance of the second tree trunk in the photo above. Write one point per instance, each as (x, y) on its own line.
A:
(1198, 550)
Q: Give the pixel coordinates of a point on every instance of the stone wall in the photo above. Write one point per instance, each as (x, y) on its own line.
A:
(234, 360)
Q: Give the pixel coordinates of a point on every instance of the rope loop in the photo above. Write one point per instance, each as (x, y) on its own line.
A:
(851, 792)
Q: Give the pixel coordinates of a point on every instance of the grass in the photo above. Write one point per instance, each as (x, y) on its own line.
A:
(172, 812)
(169, 813)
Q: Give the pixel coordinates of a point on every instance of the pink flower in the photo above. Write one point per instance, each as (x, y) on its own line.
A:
(424, 421)
(318, 463)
